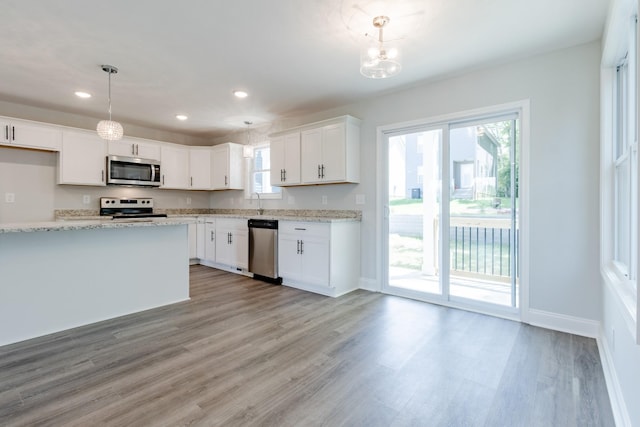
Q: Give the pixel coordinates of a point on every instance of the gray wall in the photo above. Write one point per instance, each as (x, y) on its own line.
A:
(563, 88)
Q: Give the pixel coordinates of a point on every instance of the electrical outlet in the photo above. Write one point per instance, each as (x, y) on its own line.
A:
(359, 199)
(86, 199)
(9, 197)
(324, 200)
(188, 200)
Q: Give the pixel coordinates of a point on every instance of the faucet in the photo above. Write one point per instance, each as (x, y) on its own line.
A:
(260, 210)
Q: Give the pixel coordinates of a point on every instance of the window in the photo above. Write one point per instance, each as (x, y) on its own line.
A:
(625, 146)
(259, 174)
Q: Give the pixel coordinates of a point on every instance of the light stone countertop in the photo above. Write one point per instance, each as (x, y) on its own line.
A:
(88, 224)
(277, 214)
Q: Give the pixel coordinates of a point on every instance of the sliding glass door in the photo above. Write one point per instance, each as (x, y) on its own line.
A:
(452, 212)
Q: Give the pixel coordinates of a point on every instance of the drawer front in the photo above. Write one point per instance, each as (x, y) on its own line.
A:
(311, 229)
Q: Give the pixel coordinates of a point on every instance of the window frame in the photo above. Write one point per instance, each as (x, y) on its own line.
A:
(619, 149)
(250, 193)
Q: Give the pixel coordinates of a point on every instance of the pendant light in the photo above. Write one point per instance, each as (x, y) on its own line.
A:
(247, 150)
(380, 61)
(108, 129)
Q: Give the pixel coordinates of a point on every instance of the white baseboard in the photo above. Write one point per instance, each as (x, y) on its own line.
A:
(560, 322)
(371, 285)
(618, 405)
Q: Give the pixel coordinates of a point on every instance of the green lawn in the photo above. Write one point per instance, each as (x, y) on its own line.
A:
(457, 206)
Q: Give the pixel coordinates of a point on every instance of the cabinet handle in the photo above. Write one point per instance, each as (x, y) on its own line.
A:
(137, 149)
(102, 175)
(285, 174)
(212, 235)
(281, 175)
(323, 170)
(192, 181)
(162, 179)
(230, 238)
(300, 229)
(318, 171)
(133, 149)
(6, 132)
(225, 180)
(13, 133)
(298, 247)
(301, 247)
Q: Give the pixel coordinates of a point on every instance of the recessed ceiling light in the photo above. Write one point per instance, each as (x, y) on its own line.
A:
(81, 94)
(181, 117)
(240, 94)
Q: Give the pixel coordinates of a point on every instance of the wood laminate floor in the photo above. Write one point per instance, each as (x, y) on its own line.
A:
(243, 352)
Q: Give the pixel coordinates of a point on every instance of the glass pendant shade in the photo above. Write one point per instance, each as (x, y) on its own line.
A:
(380, 61)
(110, 130)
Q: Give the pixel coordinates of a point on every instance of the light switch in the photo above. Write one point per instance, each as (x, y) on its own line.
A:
(86, 199)
(359, 199)
(188, 200)
(324, 200)
(9, 197)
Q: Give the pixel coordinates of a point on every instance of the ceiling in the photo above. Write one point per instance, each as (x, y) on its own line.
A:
(293, 57)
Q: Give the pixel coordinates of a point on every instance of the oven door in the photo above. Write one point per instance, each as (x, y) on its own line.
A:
(133, 171)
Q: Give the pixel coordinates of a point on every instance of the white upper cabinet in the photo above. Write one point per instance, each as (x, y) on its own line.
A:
(20, 133)
(82, 159)
(285, 159)
(329, 152)
(174, 167)
(200, 168)
(134, 147)
(227, 167)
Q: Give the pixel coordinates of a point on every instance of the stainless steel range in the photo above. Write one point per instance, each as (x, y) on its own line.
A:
(128, 208)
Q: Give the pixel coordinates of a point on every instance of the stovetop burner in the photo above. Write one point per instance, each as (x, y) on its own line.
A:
(128, 208)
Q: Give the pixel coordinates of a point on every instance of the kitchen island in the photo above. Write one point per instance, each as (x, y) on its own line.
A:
(59, 275)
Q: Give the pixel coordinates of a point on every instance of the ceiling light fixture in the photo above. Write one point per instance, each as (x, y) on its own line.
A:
(81, 94)
(379, 61)
(240, 94)
(247, 150)
(108, 129)
(181, 117)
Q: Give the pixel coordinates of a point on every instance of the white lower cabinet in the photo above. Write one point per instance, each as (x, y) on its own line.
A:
(319, 257)
(232, 243)
(193, 240)
(209, 241)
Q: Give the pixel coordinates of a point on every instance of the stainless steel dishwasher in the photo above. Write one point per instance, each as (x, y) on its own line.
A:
(263, 249)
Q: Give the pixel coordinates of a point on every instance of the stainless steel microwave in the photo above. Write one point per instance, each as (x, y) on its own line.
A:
(133, 171)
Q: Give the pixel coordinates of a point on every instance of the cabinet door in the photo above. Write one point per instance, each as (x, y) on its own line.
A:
(200, 240)
(289, 260)
(200, 168)
(15, 132)
(315, 261)
(123, 147)
(292, 159)
(175, 167)
(210, 241)
(276, 152)
(148, 150)
(311, 155)
(83, 159)
(193, 240)
(240, 245)
(333, 153)
(220, 168)
(224, 250)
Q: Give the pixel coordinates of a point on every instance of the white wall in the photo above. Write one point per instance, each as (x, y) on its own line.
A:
(31, 176)
(563, 88)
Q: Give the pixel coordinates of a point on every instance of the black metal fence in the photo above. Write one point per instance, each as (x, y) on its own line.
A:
(482, 250)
